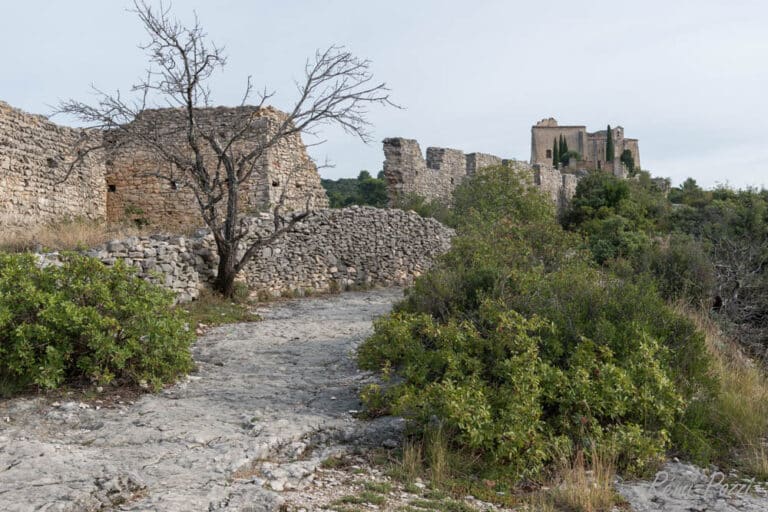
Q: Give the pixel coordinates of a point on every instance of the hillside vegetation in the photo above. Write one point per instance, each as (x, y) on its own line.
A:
(537, 342)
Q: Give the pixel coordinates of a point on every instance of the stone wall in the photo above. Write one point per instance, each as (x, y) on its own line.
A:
(121, 182)
(329, 250)
(35, 155)
(337, 248)
(137, 193)
(435, 178)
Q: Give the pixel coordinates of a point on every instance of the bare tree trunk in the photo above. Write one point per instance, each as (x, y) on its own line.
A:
(227, 270)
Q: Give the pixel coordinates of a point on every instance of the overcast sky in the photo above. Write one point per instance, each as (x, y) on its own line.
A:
(687, 78)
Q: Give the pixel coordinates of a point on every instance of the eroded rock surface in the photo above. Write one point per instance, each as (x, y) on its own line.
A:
(281, 389)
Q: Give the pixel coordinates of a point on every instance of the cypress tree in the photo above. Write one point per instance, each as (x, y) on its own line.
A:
(609, 151)
(564, 149)
(555, 153)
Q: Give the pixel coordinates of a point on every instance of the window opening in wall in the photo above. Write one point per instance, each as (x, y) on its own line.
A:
(275, 183)
(549, 153)
(112, 188)
(174, 185)
(451, 181)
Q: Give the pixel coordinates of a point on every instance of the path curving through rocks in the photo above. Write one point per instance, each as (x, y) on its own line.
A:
(280, 390)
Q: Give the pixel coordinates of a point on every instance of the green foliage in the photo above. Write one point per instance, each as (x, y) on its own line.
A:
(214, 309)
(555, 153)
(628, 160)
(86, 322)
(564, 152)
(433, 208)
(523, 348)
(364, 190)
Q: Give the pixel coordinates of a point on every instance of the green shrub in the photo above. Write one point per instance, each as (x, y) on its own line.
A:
(525, 349)
(86, 322)
(434, 208)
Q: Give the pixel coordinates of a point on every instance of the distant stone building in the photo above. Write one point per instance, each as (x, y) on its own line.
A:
(591, 146)
(121, 184)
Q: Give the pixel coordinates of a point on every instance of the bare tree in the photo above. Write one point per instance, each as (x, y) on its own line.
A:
(215, 163)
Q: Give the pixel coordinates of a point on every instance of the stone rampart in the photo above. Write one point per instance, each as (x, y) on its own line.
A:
(35, 155)
(407, 172)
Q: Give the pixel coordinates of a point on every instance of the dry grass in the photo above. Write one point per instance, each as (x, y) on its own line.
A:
(587, 485)
(742, 405)
(438, 457)
(581, 484)
(77, 234)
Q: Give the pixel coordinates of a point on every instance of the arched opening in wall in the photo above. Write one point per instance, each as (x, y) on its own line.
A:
(275, 183)
(451, 181)
(112, 188)
(174, 185)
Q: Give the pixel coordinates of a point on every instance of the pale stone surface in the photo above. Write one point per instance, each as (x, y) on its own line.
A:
(279, 389)
(335, 249)
(407, 172)
(135, 194)
(590, 145)
(34, 159)
(681, 487)
(119, 182)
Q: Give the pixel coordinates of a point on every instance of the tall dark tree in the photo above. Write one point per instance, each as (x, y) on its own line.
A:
(336, 88)
(609, 149)
(563, 149)
(555, 153)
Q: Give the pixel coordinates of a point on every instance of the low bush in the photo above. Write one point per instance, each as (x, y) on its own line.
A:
(524, 350)
(84, 322)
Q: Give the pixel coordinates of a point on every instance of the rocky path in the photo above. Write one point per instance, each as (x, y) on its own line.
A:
(283, 389)
(248, 431)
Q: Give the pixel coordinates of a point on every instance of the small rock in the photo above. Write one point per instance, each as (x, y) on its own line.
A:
(389, 444)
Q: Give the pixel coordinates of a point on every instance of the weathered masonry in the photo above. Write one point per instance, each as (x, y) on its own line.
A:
(136, 193)
(330, 250)
(33, 156)
(120, 182)
(407, 172)
(591, 146)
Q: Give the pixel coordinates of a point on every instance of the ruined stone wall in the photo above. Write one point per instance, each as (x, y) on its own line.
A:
(35, 155)
(435, 178)
(338, 248)
(330, 250)
(476, 161)
(136, 192)
(408, 172)
(634, 146)
(559, 186)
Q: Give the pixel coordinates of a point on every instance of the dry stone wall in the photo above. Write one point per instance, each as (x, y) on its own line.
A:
(34, 158)
(335, 249)
(330, 250)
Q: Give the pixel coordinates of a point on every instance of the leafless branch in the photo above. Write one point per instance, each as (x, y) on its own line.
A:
(214, 162)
